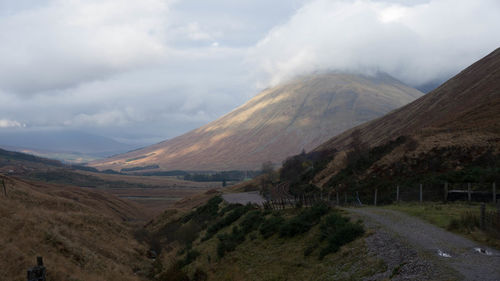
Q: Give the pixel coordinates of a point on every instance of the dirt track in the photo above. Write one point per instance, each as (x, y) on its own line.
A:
(433, 245)
(244, 198)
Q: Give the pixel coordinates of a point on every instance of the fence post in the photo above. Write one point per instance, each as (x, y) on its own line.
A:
(498, 213)
(469, 194)
(375, 199)
(345, 197)
(338, 200)
(446, 192)
(421, 195)
(483, 213)
(397, 193)
(4, 188)
(494, 193)
(37, 273)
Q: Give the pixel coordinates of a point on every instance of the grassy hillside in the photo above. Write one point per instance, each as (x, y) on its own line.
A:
(81, 234)
(217, 241)
(449, 135)
(455, 127)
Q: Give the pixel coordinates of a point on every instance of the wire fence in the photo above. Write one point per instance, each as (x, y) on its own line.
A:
(471, 192)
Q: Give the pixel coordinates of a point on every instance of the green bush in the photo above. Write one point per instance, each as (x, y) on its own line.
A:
(231, 217)
(338, 231)
(304, 221)
(228, 208)
(204, 213)
(271, 226)
(229, 242)
(331, 224)
(251, 221)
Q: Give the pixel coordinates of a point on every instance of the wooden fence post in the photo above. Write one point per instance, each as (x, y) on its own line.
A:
(375, 199)
(421, 195)
(483, 213)
(446, 192)
(397, 193)
(4, 188)
(345, 197)
(469, 194)
(38, 272)
(338, 200)
(494, 193)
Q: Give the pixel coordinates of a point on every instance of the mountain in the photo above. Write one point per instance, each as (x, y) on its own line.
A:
(67, 145)
(454, 126)
(278, 122)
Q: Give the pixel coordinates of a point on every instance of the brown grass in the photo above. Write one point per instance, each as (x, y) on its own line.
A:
(82, 234)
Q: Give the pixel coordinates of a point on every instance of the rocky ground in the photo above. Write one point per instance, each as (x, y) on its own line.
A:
(416, 250)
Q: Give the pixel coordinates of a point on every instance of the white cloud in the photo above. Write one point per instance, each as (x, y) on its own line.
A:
(6, 123)
(154, 69)
(73, 41)
(417, 43)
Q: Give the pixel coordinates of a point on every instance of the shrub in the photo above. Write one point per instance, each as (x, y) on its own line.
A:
(338, 231)
(231, 217)
(331, 224)
(251, 221)
(304, 221)
(271, 226)
(228, 242)
(188, 232)
(206, 212)
(228, 208)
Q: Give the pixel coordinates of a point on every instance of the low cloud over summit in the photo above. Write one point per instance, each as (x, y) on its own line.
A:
(143, 71)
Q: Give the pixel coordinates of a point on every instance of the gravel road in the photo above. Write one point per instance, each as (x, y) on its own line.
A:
(429, 252)
(244, 198)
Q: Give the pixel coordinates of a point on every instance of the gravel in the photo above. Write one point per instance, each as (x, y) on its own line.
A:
(244, 198)
(416, 250)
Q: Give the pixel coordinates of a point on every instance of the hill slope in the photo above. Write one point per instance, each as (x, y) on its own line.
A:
(457, 123)
(277, 123)
(81, 233)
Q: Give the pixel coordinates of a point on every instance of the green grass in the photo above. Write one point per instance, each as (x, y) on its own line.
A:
(446, 216)
(250, 245)
(278, 258)
(240, 251)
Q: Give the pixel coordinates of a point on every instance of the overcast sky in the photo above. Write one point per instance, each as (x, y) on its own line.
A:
(141, 71)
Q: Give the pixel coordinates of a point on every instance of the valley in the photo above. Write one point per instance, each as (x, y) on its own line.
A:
(249, 141)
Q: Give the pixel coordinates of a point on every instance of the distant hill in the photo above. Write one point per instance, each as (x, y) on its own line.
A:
(275, 124)
(66, 145)
(455, 126)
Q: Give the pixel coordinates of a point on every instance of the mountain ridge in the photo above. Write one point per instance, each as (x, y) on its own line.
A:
(458, 123)
(276, 123)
